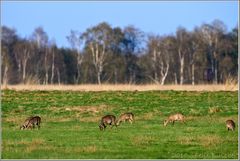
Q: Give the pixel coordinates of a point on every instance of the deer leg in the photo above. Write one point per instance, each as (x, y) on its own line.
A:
(111, 126)
(183, 121)
(130, 121)
(115, 124)
(38, 124)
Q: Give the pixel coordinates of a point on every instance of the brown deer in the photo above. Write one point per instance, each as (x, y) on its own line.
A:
(107, 120)
(24, 125)
(30, 123)
(125, 117)
(230, 124)
(173, 118)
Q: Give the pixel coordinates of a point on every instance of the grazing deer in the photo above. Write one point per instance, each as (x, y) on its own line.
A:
(30, 123)
(230, 124)
(24, 125)
(173, 118)
(107, 120)
(125, 117)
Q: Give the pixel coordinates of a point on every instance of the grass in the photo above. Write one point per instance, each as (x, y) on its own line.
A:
(69, 128)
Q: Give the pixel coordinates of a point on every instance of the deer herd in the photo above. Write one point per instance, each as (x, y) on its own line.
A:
(111, 120)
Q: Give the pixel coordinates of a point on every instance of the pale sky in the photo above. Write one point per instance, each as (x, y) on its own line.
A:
(59, 17)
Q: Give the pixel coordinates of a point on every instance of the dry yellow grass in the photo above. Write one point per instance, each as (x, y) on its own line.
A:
(186, 140)
(142, 140)
(82, 109)
(213, 110)
(209, 140)
(148, 116)
(124, 87)
(86, 149)
(205, 141)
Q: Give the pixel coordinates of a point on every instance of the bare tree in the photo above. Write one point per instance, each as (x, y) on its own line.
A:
(165, 58)
(159, 50)
(153, 47)
(133, 38)
(53, 64)
(193, 49)
(181, 42)
(75, 41)
(8, 39)
(50, 60)
(4, 64)
(22, 52)
(97, 39)
(212, 34)
(40, 37)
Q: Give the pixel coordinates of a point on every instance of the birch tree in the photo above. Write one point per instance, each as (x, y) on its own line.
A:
(5, 63)
(22, 51)
(193, 48)
(75, 41)
(53, 50)
(212, 34)
(181, 43)
(40, 38)
(8, 39)
(159, 53)
(97, 39)
(133, 38)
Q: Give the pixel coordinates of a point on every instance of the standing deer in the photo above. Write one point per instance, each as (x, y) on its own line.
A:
(107, 120)
(30, 123)
(125, 117)
(173, 118)
(230, 124)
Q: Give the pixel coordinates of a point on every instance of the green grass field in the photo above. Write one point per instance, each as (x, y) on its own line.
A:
(69, 128)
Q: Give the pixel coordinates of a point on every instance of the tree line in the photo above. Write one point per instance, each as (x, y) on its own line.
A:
(105, 54)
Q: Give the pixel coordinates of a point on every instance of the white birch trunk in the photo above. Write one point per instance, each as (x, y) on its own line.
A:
(24, 70)
(98, 59)
(53, 66)
(164, 74)
(155, 65)
(46, 69)
(181, 70)
(175, 76)
(5, 76)
(193, 74)
(59, 79)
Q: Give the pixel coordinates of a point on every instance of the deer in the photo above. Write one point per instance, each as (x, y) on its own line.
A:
(173, 118)
(24, 125)
(125, 117)
(230, 124)
(30, 123)
(107, 120)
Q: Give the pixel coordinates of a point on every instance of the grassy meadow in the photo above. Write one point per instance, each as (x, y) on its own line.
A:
(70, 119)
